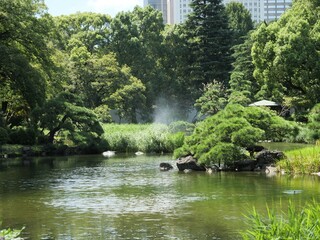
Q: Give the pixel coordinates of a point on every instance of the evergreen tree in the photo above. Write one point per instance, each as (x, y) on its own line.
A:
(243, 85)
(209, 42)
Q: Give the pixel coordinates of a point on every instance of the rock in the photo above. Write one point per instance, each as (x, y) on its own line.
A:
(108, 153)
(244, 165)
(189, 162)
(271, 170)
(165, 166)
(254, 149)
(267, 157)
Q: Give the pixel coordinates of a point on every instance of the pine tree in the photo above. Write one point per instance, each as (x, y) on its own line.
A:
(209, 42)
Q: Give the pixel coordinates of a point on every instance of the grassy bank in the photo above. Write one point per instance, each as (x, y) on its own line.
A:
(124, 138)
(302, 161)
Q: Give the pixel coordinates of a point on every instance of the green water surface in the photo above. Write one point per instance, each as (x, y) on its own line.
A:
(128, 197)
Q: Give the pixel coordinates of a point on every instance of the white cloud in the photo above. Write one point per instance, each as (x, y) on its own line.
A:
(113, 7)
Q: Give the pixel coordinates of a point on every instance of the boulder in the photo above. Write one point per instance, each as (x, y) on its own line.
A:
(190, 163)
(243, 165)
(165, 166)
(254, 149)
(268, 157)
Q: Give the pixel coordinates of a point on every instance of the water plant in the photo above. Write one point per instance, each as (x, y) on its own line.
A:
(150, 138)
(10, 234)
(296, 223)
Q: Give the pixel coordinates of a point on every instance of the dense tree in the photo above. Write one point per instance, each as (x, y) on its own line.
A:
(243, 86)
(91, 30)
(210, 41)
(136, 40)
(175, 88)
(65, 112)
(314, 122)
(239, 20)
(286, 55)
(24, 54)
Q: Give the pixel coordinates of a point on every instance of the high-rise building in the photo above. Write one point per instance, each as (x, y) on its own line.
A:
(264, 10)
(274, 8)
(255, 7)
(160, 5)
(176, 11)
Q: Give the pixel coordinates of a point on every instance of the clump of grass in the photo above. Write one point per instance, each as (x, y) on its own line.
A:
(296, 223)
(149, 138)
(302, 161)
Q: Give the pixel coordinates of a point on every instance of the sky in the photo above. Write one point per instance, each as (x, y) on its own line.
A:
(111, 7)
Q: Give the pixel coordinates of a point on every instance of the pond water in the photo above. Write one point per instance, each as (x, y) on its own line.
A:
(127, 197)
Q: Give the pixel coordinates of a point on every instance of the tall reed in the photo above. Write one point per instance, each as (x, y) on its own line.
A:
(296, 223)
(149, 138)
(302, 161)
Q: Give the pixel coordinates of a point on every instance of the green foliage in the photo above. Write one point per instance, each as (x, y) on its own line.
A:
(65, 112)
(4, 136)
(296, 223)
(103, 114)
(136, 40)
(239, 19)
(286, 57)
(314, 122)
(174, 141)
(223, 137)
(213, 99)
(243, 86)
(222, 152)
(181, 126)
(175, 85)
(10, 234)
(25, 56)
(89, 29)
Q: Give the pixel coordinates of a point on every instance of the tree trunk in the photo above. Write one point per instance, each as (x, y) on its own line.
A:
(53, 132)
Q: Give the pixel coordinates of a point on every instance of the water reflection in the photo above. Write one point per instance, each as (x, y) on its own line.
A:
(91, 197)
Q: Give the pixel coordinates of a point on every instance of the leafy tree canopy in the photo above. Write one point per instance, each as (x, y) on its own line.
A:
(286, 54)
(66, 112)
(24, 55)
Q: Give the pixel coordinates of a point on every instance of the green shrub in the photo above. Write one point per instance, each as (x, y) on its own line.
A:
(4, 136)
(223, 137)
(175, 141)
(181, 126)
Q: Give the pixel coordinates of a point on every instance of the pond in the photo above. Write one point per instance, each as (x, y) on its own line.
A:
(128, 197)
